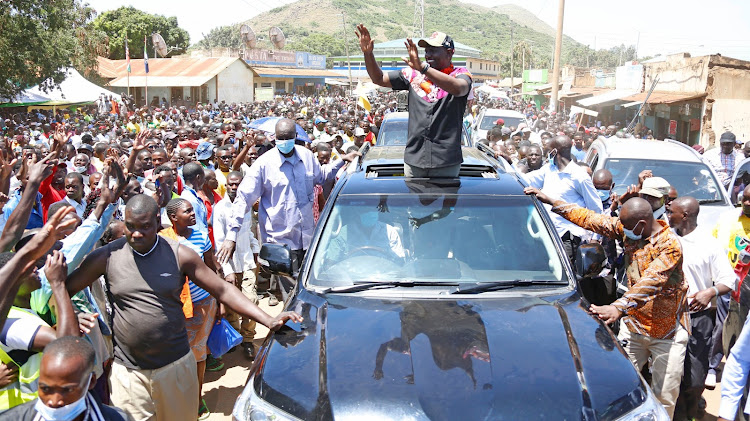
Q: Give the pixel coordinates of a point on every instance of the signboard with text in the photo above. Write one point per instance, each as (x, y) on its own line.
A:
(270, 57)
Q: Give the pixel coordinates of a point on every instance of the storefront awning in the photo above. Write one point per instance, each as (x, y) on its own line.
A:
(606, 97)
(294, 73)
(665, 97)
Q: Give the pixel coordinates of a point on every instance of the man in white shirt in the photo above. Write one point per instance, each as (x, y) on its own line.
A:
(240, 269)
(74, 192)
(708, 274)
(565, 180)
(724, 158)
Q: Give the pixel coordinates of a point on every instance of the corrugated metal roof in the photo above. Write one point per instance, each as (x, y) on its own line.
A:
(294, 72)
(165, 71)
(399, 43)
(665, 97)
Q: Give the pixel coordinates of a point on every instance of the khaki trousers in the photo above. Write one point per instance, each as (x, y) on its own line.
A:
(248, 284)
(169, 393)
(667, 361)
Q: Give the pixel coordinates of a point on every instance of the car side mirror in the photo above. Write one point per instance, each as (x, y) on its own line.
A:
(590, 259)
(276, 258)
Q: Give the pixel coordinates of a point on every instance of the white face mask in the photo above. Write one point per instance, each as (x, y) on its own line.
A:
(66, 413)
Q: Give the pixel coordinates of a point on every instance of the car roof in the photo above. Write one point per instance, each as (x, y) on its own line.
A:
(665, 150)
(398, 115)
(382, 168)
(503, 113)
(360, 183)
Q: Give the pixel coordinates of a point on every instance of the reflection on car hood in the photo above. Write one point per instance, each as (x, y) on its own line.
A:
(358, 357)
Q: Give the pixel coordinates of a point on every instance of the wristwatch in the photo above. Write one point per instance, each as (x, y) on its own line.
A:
(425, 68)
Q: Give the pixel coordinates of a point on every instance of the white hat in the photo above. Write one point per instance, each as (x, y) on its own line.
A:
(655, 186)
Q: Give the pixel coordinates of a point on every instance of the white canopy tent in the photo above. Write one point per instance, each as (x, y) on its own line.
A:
(75, 89)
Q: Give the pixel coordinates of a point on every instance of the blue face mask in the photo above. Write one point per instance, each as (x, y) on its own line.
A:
(285, 146)
(603, 194)
(369, 219)
(65, 413)
(631, 234)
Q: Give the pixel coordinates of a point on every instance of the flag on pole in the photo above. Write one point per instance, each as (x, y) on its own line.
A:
(127, 52)
(145, 53)
(364, 102)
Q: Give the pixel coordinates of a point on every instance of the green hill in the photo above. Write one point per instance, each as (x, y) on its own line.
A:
(316, 26)
(473, 25)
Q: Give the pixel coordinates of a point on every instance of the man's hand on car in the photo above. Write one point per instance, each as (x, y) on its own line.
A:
(608, 314)
(533, 191)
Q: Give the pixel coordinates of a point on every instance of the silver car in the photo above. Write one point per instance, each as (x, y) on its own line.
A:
(683, 167)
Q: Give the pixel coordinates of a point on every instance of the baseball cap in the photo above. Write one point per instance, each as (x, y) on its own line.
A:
(359, 132)
(204, 151)
(437, 39)
(320, 119)
(655, 186)
(499, 122)
(728, 137)
(85, 147)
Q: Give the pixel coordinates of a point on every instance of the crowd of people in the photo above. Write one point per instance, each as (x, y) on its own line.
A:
(128, 231)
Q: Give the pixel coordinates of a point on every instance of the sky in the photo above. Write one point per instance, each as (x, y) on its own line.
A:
(655, 26)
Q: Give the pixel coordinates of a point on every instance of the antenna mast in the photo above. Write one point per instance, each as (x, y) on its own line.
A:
(418, 25)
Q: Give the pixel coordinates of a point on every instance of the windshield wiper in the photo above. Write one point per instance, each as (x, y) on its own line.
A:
(479, 287)
(386, 284)
(706, 201)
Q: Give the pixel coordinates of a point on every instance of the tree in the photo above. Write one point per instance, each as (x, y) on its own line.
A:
(223, 36)
(137, 25)
(39, 39)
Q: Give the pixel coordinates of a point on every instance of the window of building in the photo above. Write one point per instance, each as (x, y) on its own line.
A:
(471, 65)
(480, 66)
(204, 93)
(280, 85)
(265, 85)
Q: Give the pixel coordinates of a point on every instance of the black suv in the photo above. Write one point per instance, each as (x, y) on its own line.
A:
(440, 299)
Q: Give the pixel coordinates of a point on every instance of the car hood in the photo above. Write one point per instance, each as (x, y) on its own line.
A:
(710, 213)
(359, 357)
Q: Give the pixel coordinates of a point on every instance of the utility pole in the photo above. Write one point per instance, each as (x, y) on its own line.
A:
(637, 44)
(511, 61)
(346, 45)
(556, 65)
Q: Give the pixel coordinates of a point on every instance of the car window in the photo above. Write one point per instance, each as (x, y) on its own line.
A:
(688, 178)
(488, 121)
(452, 238)
(594, 160)
(742, 181)
(395, 133)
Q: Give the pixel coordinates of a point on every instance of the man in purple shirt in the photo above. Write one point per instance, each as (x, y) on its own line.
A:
(283, 179)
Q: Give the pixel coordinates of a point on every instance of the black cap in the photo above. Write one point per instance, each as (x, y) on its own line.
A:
(728, 137)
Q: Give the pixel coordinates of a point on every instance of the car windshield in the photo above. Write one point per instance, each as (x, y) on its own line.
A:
(489, 121)
(450, 238)
(395, 133)
(688, 178)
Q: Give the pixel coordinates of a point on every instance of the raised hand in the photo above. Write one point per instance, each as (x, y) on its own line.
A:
(7, 162)
(413, 60)
(366, 44)
(42, 169)
(140, 140)
(56, 269)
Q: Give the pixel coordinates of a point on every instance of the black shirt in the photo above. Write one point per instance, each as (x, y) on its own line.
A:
(435, 119)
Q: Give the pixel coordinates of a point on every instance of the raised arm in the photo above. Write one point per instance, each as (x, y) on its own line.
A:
(373, 70)
(92, 267)
(67, 321)
(18, 220)
(25, 259)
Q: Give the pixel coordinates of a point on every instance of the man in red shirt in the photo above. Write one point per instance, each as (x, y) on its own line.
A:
(53, 188)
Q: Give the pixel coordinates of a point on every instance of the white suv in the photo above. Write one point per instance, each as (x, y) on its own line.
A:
(683, 167)
(488, 116)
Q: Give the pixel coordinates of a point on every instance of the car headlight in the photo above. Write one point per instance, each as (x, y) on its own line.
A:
(650, 410)
(250, 407)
